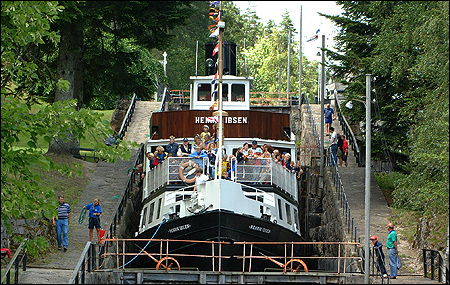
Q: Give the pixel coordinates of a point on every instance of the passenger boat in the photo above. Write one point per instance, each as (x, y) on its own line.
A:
(258, 203)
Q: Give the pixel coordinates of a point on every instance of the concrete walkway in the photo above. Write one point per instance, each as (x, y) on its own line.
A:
(138, 130)
(353, 180)
(107, 181)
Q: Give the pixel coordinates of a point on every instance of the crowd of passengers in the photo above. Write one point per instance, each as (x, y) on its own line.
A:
(205, 146)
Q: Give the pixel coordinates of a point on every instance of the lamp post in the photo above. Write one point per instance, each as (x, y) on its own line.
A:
(367, 180)
(322, 117)
(367, 183)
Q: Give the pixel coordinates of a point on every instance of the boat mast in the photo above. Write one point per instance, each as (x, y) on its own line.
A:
(220, 26)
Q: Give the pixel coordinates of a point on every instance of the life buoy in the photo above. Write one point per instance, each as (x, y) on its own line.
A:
(182, 168)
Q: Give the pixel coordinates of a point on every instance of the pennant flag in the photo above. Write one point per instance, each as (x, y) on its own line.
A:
(214, 34)
(214, 3)
(216, 50)
(313, 38)
(215, 77)
(213, 106)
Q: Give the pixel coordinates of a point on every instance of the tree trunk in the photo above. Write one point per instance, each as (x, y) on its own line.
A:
(70, 68)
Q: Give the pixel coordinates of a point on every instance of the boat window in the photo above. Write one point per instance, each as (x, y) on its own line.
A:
(158, 211)
(224, 92)
(150, 214)
(238, 92)
(288, 214)
(204, 92)
(144, 216)
(280, 209)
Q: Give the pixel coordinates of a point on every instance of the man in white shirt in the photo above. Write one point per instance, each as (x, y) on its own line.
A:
(200, 178)
(333, 147)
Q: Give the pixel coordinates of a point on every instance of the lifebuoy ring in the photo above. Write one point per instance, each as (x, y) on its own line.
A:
(181, 171)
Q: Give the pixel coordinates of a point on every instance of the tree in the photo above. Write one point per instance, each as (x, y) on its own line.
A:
(25, 27)
(404, 45)
(138, 23)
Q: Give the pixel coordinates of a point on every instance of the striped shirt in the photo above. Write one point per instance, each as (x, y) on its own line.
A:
(63, 211)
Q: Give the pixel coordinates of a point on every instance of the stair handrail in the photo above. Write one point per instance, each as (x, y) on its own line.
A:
(441, 266)
(127, 119)
(348, 133)
(16, 261)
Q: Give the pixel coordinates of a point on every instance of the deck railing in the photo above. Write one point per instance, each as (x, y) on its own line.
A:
(253, 170)
(250, 256)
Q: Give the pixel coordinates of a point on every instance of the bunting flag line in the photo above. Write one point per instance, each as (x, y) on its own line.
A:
(216, 50)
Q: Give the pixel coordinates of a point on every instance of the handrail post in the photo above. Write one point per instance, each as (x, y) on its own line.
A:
(432, 263)
(425, 269)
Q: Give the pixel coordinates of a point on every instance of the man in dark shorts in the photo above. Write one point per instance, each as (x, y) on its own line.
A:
(329, 117)
(94, 218)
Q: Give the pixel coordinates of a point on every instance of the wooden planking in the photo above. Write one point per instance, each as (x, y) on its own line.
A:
(187, 123)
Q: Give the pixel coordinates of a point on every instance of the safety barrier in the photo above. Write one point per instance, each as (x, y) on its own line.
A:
(165, 259)
(16, 261)
(435, 262)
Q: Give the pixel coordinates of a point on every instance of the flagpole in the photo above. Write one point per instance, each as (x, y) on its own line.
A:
(301, 63)
(220, 25)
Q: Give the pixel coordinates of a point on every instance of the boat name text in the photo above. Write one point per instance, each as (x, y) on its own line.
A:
(179, 228)
(258, 228)
(227, 120)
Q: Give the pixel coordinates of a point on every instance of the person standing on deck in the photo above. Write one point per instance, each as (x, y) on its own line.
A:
(172, 147)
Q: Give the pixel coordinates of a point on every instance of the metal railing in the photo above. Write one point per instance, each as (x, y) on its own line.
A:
(349, 134)
(346, 212)
(376, 267)
(16, 261)
(165, 255)
(127, 119)
(435, 262)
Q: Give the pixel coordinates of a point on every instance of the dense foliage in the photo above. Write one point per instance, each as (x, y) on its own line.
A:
(404, 45)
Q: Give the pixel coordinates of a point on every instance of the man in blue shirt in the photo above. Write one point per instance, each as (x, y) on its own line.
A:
(378, 249)
(172, 147)
(94, 218)
(329, 117)
(62, 223)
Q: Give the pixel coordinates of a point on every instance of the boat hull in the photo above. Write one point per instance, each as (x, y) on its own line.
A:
(217, 226)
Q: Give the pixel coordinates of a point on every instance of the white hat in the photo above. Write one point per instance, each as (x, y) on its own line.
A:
(206, 126)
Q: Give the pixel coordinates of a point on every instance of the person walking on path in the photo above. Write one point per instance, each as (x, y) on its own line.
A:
(391, 244)
(333, 147)
(329, 117)
(378, 248)
(94, 218)
(62, 223)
